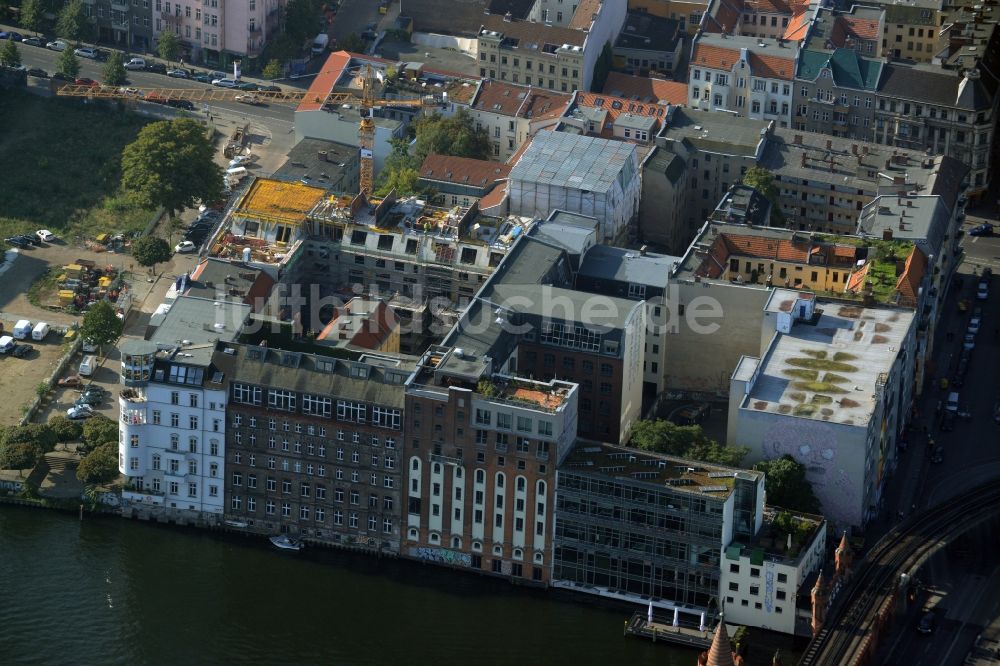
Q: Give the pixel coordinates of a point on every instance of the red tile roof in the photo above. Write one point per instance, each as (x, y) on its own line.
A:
(726, 17)
(324, 82)
(859, 28)
(617, 106)
(723, 58)
(776, 249)
(519, 101)
(796, 30)
(908, 284)
(644, 88)
(584, 14)
(494, 198)
(463, 170)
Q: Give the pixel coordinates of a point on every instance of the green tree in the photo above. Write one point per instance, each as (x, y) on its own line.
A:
(762, 180)
(68, 63)
(100, 465)
(66, 430)
(33, 433)
(662, 436)
(150, 250)
(602, 67)
(171, 164)
(404, 181)
(72, 23)
(353, 43)
(10, 55)
(302, 19)
(114, 70)
(284, 47)
(454, 135)
(273, 70)
(99, 430)
(168, 45)
(19, 455)
(101, 324)
(786, 485)
(32, 15)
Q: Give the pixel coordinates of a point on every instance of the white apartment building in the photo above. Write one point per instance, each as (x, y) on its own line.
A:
(171, 445)
(747, 76)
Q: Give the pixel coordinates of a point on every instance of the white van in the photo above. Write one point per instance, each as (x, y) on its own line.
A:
(7, 344)
(237, 173)
(88, 365)
(952, 404)
(40, 330)
(22, 330)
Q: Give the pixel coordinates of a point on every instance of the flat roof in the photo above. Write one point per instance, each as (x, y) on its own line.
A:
(714, 132)
(910, 217)
(279, 200)
(637, 466)
(573, 161)
(195, 324)
(829, 368)
(632, 266)
(648, 32)
(306, 165)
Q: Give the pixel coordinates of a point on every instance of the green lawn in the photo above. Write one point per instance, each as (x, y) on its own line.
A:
(60, 166)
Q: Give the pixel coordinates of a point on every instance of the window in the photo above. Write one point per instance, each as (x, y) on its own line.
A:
(352, 411)
(279, 399)
(385, 417)
(317, 405)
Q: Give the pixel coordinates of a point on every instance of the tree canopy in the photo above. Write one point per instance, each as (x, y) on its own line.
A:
(10, 55)
(272, 70)
(762, 180)
(302, 19)
(22, 446)
(65, 430)
(150, 250)
(171, 164)
(99, 430)
(353, 43)
(32, 15)
(67, 63)
(101, 324)
(72, 23)
(114, 70)
(662, 436)
(786, 485)
(168, 45)
(100, 465)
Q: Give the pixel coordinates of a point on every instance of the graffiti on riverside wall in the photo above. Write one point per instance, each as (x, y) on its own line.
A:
(441, 556)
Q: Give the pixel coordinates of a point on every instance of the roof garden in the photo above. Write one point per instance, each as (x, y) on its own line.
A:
(784, 536)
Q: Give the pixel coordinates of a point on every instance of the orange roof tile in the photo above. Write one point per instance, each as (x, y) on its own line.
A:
(723, 58)
(463, 170)
(726, 17)
(796, 30)
(644, 88)
(324, 82)
(584, 14)
(495, 197)
(858, 278)
(908, 284)
(859, 28)
(520, 101)
(617, 106)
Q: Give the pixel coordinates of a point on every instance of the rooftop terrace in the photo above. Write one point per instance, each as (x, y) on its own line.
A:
(772, 542)
(678, 474)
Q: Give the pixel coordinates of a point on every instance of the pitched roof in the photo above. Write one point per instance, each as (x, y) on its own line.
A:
(776, 249)
(613, 107)
(908, 284)
(325, 80)
(462, 170)
(797, 26)
(532, 36)
(722, 16)
(849, 69)
(584, 14)
(645, 89)
(934, 86)
(519, 101)
(723, 58)
(854, 26)
(721, 651)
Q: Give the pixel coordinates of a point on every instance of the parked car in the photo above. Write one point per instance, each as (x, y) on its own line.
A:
(178, 73)
(16, 36)
(938, 456)
(83, 81)
(70, 382)
(202, 77)
(59, 76)
(45, 235)
(90, 399)
(156, 67)
(88, 346)
(33, 41)
(984, 229)
(22, 350)
(974, 325)
(983, 291)
(77, 412)
(30, 239)
(135, 64)
(17, 242)
(253, 100)
(57, 45)
(130, 91)
(38, 73)
(246, 85)
(947, 421)
(185, 104)
(94, 389)
(86, 52)
(185, 246)
(225, 83)
(268, 88)
(7, 344)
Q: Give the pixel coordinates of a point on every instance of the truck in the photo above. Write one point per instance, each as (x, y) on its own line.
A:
(320, 43)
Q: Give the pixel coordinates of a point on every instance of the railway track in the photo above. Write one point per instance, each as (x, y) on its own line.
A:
(848, 628)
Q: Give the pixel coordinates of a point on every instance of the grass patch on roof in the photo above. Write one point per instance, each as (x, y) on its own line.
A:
(802, 373)
(818, 387)
(822, 364)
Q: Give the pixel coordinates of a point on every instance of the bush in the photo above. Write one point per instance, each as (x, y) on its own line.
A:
(65, 429)
(100, 465)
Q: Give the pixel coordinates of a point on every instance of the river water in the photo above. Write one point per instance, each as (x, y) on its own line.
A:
(111, 591)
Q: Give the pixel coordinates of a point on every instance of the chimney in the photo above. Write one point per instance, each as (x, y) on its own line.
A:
(508, 17)
(887, 234)
(642, 250)
(899, 180)
(797, 140)
(322, 156)
(854, 149)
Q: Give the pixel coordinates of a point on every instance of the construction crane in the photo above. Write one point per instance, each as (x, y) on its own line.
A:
(366, 104)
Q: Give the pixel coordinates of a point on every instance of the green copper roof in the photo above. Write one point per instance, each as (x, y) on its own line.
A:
(849, 69)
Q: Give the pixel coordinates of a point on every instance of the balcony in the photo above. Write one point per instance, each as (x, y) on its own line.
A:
(500, 448)
(133, 416)
(446, 460)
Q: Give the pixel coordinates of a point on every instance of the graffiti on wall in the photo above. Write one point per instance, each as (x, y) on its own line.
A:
(814, 444)
(441, 556)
